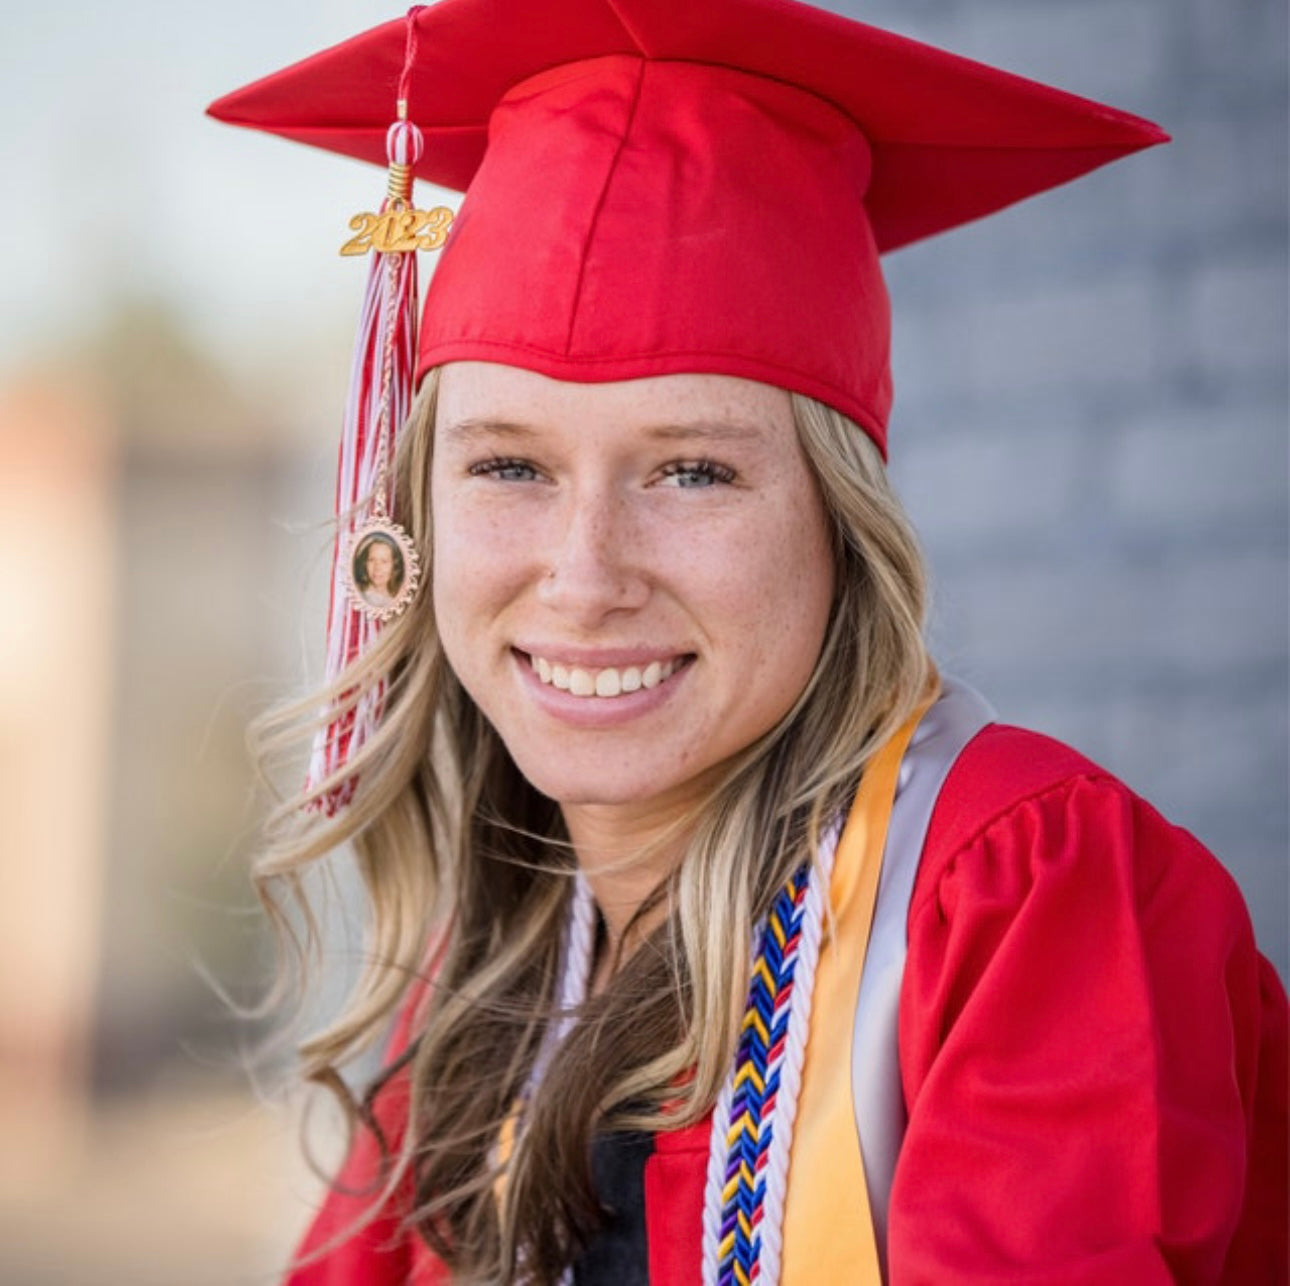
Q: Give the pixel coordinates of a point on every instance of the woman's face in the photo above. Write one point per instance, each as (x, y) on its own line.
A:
(632, 580)
(379, 565)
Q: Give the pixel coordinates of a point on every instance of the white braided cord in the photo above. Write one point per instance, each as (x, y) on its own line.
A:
(575, 975)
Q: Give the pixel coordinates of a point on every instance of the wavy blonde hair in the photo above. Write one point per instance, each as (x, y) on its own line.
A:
(458, 852)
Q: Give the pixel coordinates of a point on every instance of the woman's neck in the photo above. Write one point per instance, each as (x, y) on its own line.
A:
(624, 854)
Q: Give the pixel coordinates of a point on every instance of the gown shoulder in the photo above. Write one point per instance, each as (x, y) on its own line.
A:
(1093, 1051)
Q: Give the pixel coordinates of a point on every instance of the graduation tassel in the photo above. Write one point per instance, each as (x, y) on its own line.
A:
(375, 570)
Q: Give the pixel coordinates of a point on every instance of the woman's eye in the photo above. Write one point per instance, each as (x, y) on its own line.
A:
(697, 473)
(504, 470)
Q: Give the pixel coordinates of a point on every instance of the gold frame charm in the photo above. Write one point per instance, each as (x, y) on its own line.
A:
(382, 590)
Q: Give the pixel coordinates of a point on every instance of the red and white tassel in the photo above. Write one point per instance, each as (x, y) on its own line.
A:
(380, 397)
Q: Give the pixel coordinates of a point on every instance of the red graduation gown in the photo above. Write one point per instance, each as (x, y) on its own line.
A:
(1092, 1051)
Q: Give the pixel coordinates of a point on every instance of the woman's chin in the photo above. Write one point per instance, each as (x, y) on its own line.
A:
(575, 790)
(637, 788)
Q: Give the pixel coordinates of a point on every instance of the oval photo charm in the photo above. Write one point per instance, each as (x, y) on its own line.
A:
(383, 570)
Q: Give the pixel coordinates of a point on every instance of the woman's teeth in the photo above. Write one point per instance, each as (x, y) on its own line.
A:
(607, 682)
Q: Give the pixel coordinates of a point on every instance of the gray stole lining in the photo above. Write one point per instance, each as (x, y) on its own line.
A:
(956, 717)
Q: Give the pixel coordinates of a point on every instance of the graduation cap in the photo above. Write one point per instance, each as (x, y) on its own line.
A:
(662, 186)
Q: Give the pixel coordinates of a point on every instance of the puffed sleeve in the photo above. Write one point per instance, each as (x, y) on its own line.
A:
(1087, 1035)
(346, 1245)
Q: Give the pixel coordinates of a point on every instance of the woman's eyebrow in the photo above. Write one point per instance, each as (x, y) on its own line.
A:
(466, 431)
(709, 431)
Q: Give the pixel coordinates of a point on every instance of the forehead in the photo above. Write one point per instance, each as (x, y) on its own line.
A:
(478, 395)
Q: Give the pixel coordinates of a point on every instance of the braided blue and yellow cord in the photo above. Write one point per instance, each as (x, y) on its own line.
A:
(758, 1059)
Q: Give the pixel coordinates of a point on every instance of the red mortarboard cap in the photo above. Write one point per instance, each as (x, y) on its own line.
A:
(658, 186)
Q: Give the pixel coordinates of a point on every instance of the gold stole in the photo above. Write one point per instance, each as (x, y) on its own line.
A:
(828, 1225)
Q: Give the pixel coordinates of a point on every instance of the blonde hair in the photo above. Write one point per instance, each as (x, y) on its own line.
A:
(457, 850)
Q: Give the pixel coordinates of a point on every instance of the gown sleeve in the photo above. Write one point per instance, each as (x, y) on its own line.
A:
(346, 1245)
(1092, 1049)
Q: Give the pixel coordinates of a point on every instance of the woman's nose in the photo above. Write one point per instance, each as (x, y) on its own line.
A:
(593, 566)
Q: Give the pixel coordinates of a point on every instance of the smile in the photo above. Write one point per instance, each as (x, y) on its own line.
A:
(607, 681)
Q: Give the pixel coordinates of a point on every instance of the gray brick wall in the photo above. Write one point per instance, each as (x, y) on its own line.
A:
(1091, 418)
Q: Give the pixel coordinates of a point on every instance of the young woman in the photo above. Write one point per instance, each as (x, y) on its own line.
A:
(727, 940)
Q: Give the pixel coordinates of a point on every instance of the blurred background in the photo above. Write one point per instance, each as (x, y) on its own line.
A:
(1091, 432)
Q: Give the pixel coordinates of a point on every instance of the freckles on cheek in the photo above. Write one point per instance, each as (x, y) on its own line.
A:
(446, 550)
(454, 573)
(482, 563)
(759, 569)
